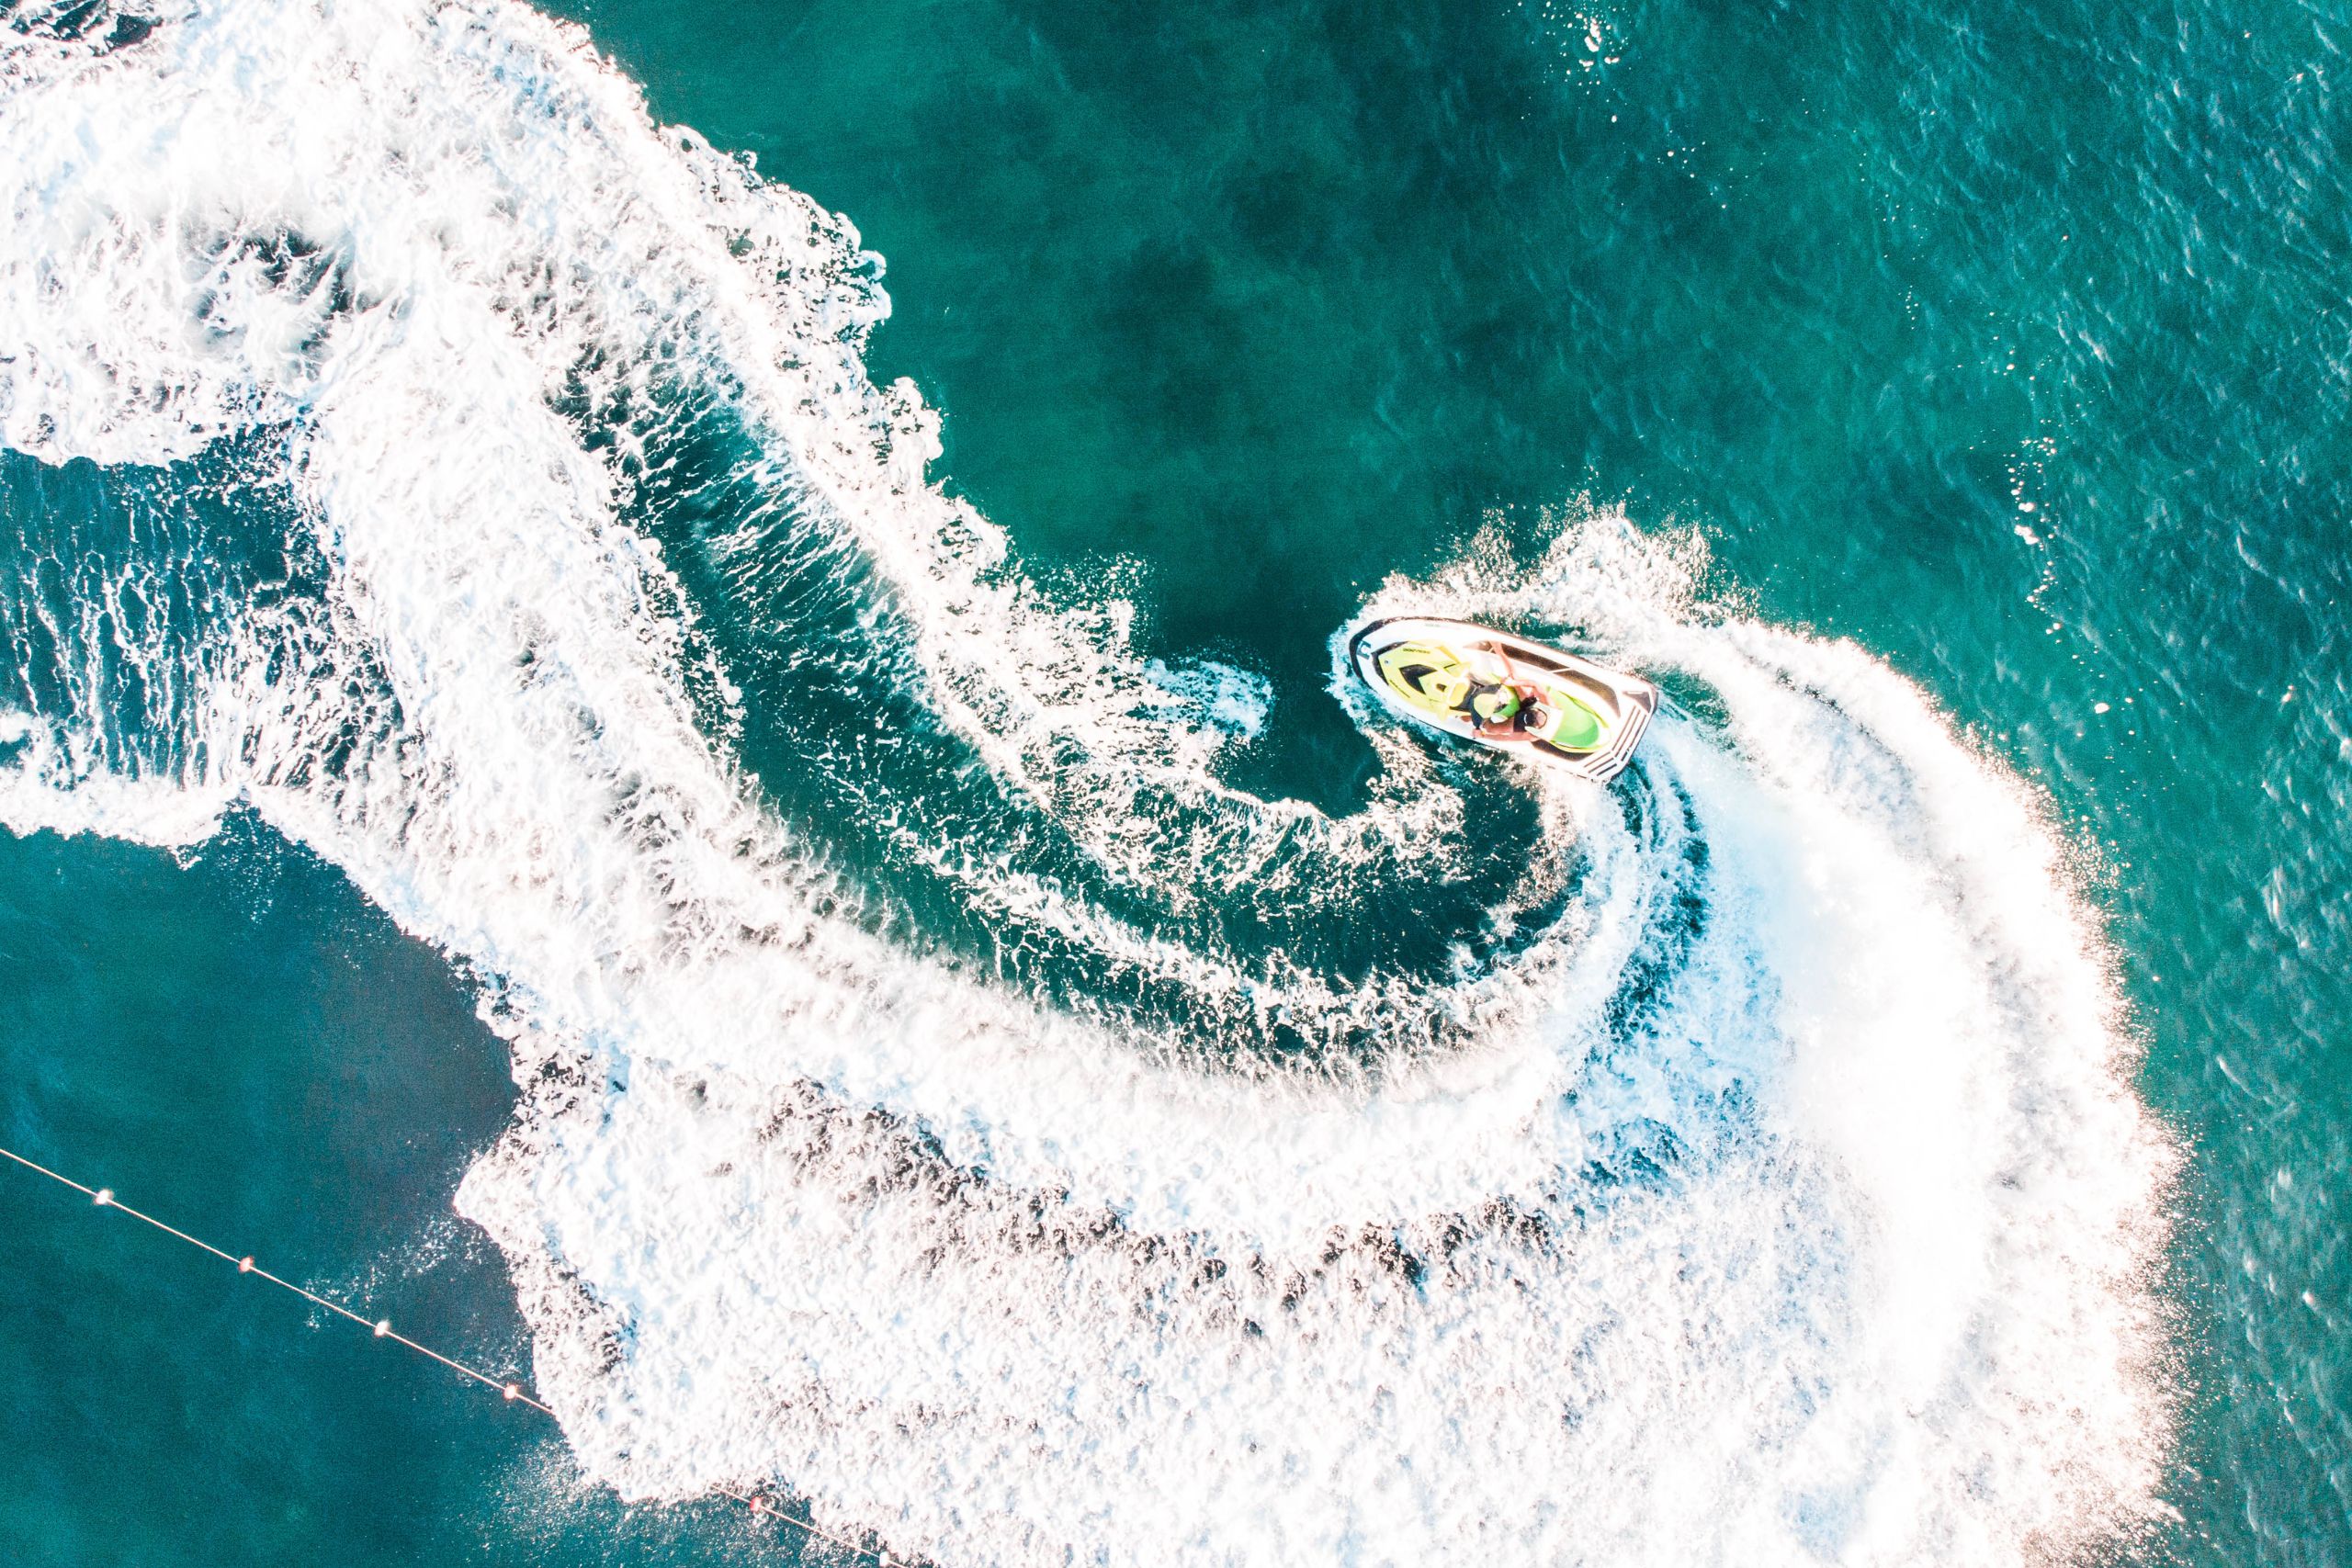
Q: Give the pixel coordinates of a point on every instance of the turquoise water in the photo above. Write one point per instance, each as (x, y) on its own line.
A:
(2007, 342)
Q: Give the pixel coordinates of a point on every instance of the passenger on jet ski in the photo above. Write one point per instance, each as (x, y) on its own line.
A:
(1505, 711)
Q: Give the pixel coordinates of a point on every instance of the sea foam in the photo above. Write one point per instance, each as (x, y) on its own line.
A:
(1780, 1198)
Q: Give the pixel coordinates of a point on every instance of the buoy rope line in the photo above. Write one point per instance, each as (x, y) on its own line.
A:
(513, 1391)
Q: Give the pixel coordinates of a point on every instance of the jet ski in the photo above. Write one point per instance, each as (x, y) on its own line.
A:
(1506, 693)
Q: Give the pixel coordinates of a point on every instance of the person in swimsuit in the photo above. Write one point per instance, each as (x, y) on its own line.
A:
(1505, 711)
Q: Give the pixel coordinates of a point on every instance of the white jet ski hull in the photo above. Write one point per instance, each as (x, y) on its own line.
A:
(1621, 702)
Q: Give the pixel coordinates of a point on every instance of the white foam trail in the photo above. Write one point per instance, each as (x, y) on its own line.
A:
(1783, 1203)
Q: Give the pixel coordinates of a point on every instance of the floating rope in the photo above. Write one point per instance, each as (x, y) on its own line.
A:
(760, 1508)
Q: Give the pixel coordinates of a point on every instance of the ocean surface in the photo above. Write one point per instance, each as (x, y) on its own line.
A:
(780, 851)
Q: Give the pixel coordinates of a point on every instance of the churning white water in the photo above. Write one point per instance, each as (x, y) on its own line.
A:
(1783, 1202)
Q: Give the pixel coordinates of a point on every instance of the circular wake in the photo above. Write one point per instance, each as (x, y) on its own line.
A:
(942, 1093)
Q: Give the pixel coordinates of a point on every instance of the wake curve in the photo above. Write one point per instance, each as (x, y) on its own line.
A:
(1737, 1187)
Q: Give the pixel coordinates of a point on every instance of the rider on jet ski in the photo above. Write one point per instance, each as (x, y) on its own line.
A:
(1506, 710)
